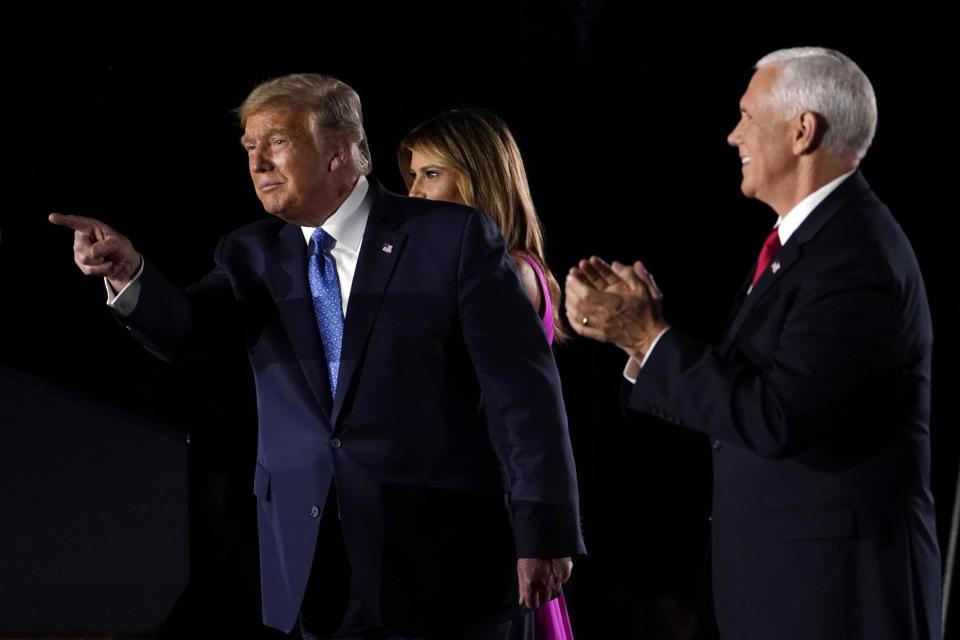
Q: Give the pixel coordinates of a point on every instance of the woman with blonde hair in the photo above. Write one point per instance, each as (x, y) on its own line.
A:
(469, 156)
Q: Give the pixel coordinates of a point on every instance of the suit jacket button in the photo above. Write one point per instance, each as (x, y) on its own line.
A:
(314, 511)
(336, 443)
(716, 444)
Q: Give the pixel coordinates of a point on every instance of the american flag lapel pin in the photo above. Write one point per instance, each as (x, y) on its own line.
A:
(387, 247)
(775, 266)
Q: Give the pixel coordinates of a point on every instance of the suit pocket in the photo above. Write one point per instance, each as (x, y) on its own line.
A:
(814, 522)
(261, 483)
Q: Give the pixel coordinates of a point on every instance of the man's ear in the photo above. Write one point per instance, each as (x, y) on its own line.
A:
(808, 133)
(341, 157)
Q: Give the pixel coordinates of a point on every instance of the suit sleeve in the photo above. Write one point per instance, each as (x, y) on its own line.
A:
(174, 323)
(830, 369)
(521, 387)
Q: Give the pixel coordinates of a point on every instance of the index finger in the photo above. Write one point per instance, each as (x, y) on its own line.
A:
(647, 277)
(577, 284)
(603, 271)
(77, 223)
(626, 274)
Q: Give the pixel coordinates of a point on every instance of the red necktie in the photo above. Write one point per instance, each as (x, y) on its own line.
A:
(770, 247)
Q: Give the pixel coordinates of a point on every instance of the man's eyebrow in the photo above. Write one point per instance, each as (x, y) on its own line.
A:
(244, 139)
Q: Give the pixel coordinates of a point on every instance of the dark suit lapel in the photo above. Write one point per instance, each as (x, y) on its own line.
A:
(852, 188)
(740, 297)
(779, 266)
(379, 253)
(286, 278)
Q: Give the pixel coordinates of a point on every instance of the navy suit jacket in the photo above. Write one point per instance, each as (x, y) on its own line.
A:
(817, 405)
(447, 438)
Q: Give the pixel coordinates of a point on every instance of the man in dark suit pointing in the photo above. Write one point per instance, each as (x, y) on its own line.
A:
(400, 370)
(817, 400)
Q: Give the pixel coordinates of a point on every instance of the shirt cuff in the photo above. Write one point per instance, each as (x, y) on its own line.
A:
(126, 300)
(632, 369)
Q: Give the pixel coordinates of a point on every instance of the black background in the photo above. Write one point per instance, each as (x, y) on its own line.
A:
(622, 119)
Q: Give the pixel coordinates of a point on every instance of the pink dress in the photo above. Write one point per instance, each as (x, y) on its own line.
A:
(550, 621)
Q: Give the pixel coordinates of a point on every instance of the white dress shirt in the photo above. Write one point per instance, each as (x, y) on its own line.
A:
(346, 226)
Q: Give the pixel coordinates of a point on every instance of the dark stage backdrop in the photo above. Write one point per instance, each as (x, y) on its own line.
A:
(622, 120)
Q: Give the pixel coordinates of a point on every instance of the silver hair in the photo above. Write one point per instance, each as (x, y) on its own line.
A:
(831, 85)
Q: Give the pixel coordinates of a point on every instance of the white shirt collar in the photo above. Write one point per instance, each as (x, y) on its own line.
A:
(791, 222)
(348, 222)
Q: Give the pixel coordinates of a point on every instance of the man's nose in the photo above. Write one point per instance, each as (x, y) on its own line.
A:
(259, 162)
(733, 138)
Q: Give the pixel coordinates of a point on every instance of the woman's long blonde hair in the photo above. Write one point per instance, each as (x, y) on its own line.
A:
(490, 176)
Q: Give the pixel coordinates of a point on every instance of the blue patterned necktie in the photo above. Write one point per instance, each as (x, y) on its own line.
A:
(327, 304)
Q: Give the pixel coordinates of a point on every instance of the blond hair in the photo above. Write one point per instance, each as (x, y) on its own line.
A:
(491, 177)
(333, 107)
